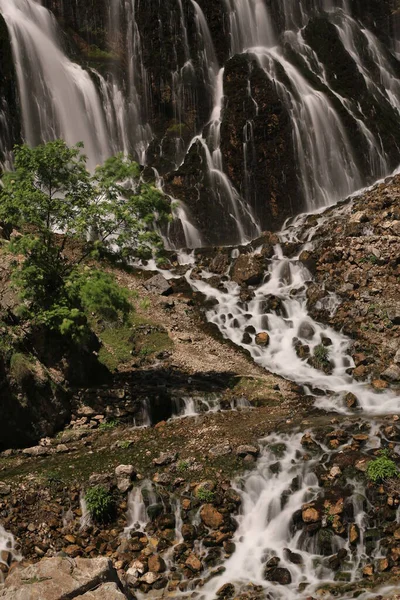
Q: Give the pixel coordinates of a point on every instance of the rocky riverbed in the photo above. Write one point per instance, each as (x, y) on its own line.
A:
(205, 453)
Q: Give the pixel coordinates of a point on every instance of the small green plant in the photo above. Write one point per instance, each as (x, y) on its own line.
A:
(125, 444)
(329, 518)
(382, 468)
(205, 495)
(145, 303)
(321, 353)
(373, 259)
(106, 425)
(182, 466)
(100, 503)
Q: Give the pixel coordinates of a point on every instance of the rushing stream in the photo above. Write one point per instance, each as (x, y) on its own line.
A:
(288, 323)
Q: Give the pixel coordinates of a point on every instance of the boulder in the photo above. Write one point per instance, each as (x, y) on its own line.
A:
(279, 575)
(310, 514)
(262, 339)
(247, 269)
(392, 373)
(58, 579)
(125, 471)
(211, 516)
(107, 591)
(156, 564)
(193, 563)
(247, 449)
(5, 489)
(158, 285)
(166, 458)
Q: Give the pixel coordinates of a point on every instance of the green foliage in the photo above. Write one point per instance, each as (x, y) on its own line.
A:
(106, 425)
(145, 303)
(98, 293)
(205, 495)
(117, 346)
(125, 444)
(100, 503)
(182, 466)
(321, 355)
(382, 468)
(50, 191)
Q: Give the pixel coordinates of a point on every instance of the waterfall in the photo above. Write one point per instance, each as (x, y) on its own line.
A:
(139, 499)
(250, 25)
(58, 97)
(163, 114)
(128, 98)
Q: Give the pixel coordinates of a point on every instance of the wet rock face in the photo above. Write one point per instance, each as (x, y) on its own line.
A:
(10, 124)
(254, 114)
(345, 78)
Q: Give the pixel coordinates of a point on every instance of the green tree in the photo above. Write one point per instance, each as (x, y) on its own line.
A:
(66, 215)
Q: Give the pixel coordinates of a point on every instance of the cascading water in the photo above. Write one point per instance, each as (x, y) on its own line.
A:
(129, 108)
(58, 98)
(272, 547)
(337, 146)
(139, 499)
(287, 323)
(7, 548)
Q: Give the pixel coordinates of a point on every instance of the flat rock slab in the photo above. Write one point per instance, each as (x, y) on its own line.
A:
(108, 591)
(158, 285)
(58, 579)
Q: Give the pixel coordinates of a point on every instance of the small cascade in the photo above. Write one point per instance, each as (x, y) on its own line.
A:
(7, 549)
(142, 417)
(273, 545)
(85, 519)
(139, 499)
(279, 307)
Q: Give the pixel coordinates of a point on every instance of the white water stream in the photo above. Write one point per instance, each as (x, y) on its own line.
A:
(279, 307)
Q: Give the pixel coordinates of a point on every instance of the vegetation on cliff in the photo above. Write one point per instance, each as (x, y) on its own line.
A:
(52, 191)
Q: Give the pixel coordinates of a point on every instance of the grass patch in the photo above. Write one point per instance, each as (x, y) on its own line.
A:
(117, 346)
(138, 337)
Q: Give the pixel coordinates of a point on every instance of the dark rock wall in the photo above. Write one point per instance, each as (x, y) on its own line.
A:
(264, 173)
(9, 110)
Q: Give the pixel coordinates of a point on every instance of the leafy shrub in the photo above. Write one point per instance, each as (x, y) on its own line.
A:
(382, 468)
(100, 503)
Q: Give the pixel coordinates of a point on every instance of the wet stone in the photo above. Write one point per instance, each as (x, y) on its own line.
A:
(278, 575)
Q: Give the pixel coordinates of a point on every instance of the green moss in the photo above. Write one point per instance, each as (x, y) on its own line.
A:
(205, 495)
(95, 53)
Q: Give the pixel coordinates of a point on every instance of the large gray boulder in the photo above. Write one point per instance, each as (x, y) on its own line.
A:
(62, 579)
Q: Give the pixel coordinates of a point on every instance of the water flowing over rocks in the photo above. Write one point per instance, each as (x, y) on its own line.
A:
(248, 439)
(250, 112)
